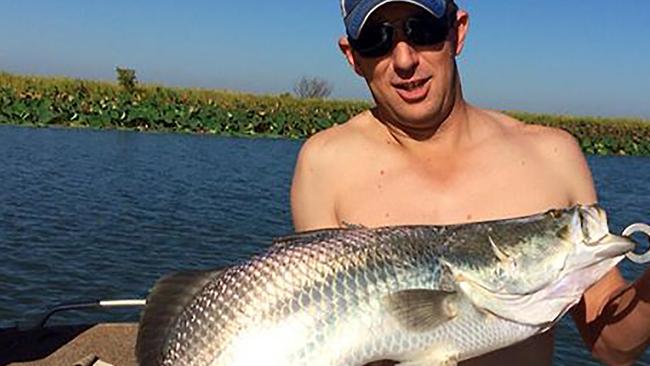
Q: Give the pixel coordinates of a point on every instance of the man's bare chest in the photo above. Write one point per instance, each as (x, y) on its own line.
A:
(418, 196)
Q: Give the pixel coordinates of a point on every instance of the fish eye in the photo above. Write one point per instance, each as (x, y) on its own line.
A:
(593, 223)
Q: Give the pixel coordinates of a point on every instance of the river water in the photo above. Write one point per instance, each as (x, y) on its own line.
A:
(102, 214)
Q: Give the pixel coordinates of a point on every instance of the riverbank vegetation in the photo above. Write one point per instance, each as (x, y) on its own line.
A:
(44, 101)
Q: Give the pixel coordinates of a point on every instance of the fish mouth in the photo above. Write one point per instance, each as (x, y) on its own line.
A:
(611, 246)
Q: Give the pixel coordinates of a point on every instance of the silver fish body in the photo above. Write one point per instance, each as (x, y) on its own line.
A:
(420, 295)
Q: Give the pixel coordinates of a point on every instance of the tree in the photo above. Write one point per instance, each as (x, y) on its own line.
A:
(126, 78)
(313, 87)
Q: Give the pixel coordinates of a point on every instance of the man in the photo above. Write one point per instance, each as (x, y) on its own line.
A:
(425, 156)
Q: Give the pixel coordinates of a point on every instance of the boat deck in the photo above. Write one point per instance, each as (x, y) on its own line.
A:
(82, 345)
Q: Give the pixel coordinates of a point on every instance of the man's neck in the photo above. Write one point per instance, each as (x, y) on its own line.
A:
(447, 134)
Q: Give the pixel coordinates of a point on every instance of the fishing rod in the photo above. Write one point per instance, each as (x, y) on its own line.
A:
(104, 304)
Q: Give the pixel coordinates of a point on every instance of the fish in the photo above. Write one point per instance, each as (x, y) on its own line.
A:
(419, 295)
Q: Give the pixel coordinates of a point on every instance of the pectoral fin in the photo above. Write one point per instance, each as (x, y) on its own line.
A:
(422, 310)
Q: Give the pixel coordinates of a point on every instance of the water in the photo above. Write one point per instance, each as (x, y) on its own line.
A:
(103, 214)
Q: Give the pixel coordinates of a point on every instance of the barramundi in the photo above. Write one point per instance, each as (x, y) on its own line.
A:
(419, 295)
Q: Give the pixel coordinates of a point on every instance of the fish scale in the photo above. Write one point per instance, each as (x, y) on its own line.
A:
(345, 297)
(337, 259)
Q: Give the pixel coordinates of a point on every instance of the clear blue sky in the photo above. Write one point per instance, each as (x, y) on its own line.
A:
(587, 57)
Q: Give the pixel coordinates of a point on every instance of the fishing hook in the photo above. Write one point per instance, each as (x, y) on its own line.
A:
(638, 228)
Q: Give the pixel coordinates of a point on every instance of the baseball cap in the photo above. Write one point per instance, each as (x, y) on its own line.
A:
(357, 12)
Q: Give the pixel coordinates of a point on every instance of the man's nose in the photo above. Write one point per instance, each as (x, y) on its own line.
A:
(405, 57)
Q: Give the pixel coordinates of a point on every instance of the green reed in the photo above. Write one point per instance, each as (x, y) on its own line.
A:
(45, 101)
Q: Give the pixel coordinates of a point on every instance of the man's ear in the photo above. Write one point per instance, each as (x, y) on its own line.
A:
(346, 49)
(462, 26)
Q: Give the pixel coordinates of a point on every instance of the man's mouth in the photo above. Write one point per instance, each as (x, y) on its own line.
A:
(413, 91)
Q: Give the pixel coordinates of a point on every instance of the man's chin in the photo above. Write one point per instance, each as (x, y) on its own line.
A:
(416, 125)
(416, 115)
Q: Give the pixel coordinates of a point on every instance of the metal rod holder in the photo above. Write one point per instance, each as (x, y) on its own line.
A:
(638, 228)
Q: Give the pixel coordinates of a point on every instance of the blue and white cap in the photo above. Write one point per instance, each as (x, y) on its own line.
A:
(357, 12)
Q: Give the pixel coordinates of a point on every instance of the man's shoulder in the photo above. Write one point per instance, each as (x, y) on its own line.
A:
(544, 154)
(338, 140)
(549, 141)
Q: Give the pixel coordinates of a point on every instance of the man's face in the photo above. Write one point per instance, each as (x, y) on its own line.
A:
(412, 85)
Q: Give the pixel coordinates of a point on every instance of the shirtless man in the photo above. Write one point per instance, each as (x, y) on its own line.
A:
(425, 156)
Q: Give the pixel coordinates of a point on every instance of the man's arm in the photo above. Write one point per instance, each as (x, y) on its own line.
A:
(619, 331)
(613, 317)
(312, 189)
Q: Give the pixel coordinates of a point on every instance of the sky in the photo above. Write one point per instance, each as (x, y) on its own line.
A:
(580, 57)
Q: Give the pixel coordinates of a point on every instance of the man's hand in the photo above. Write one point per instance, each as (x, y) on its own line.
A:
(619, 333)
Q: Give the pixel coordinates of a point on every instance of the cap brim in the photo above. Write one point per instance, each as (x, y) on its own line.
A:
(357, 18)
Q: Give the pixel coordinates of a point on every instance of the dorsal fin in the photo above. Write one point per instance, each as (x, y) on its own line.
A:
(348, 225)
(306, 237)
(166, 300)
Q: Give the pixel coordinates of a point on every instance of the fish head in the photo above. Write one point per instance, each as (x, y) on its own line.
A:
(545, 271)
(588, 232)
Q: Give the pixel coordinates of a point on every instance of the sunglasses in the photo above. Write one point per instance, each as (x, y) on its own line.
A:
(376, 40)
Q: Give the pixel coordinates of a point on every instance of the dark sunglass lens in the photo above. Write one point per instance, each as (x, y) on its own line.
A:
(426, 31)
(375, 40)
